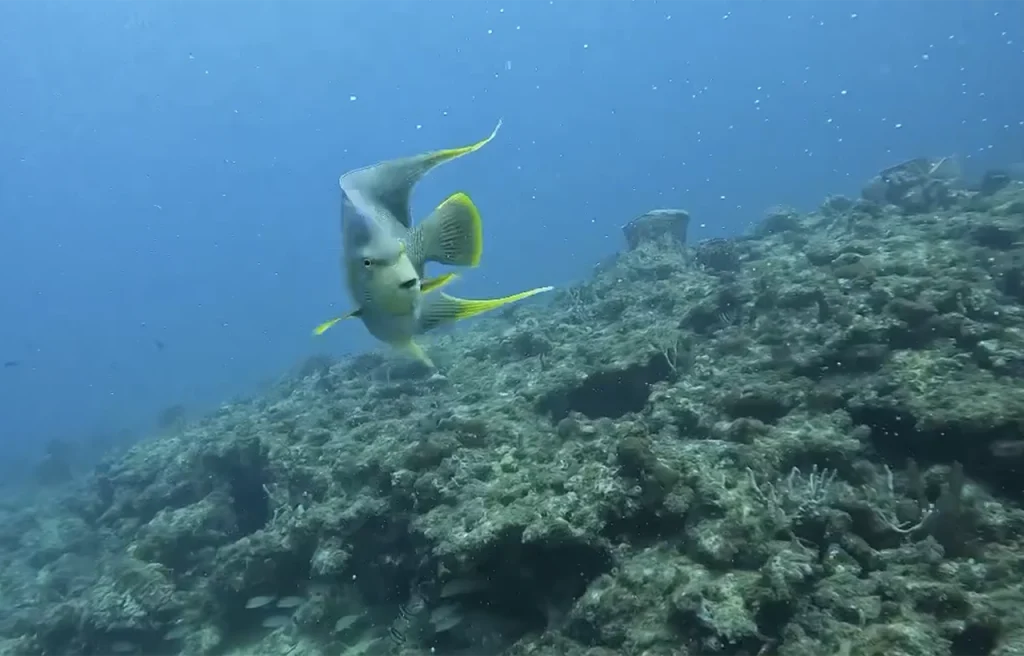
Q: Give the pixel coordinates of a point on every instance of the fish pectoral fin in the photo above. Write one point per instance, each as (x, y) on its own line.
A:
(327, 325)
(432, 284)
(453, 234)
(441, 308)
(388, 185)
(416, 351)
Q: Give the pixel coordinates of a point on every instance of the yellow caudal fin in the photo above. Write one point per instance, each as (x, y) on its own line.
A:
(432, 284)
(327, 325)
(442, 309)
(453, 234)
(385, 187)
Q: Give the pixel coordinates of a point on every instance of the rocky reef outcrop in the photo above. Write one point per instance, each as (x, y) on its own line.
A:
(657, 225)
(805, 441)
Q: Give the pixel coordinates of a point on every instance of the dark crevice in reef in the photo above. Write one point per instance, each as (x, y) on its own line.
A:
(527, 588)
(289, 576)
(766, 405)
(244, 469)
(773, 616)
(846, 357)
(975, 640)
(380, 551)
(646, 526)
(612, 393)
(898, 435)
(649, 520)
(530, 587)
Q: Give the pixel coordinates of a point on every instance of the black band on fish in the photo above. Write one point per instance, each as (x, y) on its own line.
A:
(397, 635)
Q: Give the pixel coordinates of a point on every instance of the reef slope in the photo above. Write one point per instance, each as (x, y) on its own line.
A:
(806, 441)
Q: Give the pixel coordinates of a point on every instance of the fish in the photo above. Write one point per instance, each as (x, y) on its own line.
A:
(345, 623)
(408, 614)
(10, 364)
(259, 601)
(290, 602)
(397, 635)
(276, 621)
(363, 646)
(384, 255)
(1007, 448)
(177, 632)
(459, 587)
(446, 618)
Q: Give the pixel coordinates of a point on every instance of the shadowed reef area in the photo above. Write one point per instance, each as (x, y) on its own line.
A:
(807, 441)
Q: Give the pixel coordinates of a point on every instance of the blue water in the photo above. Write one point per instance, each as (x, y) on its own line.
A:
(168, 170)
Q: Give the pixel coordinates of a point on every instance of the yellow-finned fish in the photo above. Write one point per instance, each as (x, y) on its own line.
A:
(383, 254)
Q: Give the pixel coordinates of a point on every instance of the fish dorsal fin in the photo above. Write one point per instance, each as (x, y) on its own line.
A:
(441, 308)
(327, 325)
(386, 187)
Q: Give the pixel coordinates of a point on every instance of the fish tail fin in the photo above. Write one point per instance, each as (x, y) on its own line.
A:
(441, 308)
(452, 234)
(388, 185)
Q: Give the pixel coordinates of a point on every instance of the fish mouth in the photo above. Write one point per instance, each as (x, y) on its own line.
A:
(410, 283)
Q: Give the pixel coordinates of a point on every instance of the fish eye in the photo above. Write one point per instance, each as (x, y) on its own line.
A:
(367, 263)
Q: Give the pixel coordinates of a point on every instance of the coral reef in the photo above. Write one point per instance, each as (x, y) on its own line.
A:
(801, 442)
(657, 225)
